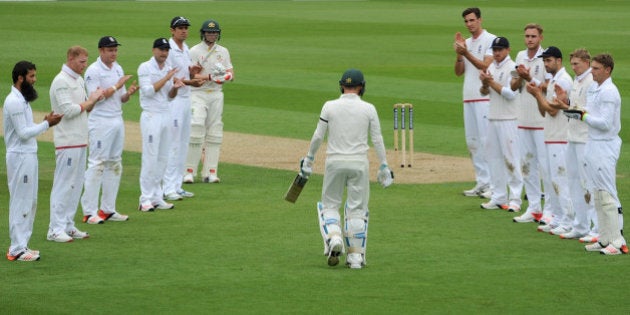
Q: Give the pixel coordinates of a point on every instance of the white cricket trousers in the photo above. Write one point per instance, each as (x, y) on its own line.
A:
(22, 179)
(561, 208)
(350, 175)
(180, 137)
(503, 156)
(206, 130)
(476, 128)
(107, 138)
(533, 161)
(67, 188)
(156, 138)
(584, 212)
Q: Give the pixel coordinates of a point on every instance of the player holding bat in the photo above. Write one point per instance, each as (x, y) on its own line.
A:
(348, 121)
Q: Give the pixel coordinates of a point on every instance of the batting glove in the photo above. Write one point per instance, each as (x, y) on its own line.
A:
(306, 166)
(574, 114)
(385, 176)
(219, 79)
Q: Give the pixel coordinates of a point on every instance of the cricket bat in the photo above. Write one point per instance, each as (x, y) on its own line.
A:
(296, 188)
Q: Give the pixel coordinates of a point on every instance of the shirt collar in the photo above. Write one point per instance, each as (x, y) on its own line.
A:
(70, 72)
(583, 75)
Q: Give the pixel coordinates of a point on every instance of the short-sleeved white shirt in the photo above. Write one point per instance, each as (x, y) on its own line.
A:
(180, 59)
(501, 108)
(479, 47)
(528, 114)
(100, 75)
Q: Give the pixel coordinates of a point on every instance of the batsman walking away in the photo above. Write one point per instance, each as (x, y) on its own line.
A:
(348, 121)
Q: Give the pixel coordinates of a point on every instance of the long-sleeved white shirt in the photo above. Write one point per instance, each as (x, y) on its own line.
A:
(349, 120)
(20, 131)
(67, 92)
(578, 130)
(528, 115)
(151, 100)
(603, 107)
(180, 59)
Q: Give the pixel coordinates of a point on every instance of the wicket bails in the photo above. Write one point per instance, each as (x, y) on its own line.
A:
(402, 107)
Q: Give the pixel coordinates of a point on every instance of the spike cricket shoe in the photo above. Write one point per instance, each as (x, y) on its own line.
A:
(78, 235)
(93, 219)
(545, 228)
(354, 261)
(588, 239)
(59, 238)
(189, 178)
(114, 216)
(610, 250)
(336, 249)
(490, 205)
(185, 194)
(146, 207)
(26, 255)
(211, 179)
(163, 205)
(571, 235)
(526, 217)
(595, 247)
(173, 196)
(559, 230)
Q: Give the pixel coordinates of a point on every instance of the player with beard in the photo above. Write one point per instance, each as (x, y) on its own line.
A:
(20, 134)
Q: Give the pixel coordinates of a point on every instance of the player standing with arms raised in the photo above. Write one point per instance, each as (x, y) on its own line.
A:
(474, 54)
(68, 97)
(20, 134)
(106, 134)
(206, 130)
(348, 121)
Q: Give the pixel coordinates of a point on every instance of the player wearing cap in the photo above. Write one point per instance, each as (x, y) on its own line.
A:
(68, 97)
(556, 134)
(602, 114)
(206, 130)
(474, 54)
(348, 121)
(179, 58)
(531, 137)
(20, 134)
(501, 147)
(158, 85)
(106, 134)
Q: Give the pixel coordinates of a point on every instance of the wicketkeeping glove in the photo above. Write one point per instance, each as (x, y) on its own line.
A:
(306, 166)
(574, 113)
(385, 176)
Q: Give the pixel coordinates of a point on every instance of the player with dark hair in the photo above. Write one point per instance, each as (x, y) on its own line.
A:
(474, 54)
(20, 134)
(348, 121)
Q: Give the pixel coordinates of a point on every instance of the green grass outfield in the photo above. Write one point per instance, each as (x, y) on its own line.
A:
(237, 247)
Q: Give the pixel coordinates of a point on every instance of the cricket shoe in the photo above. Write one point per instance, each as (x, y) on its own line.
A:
(211, 179)
(354, 261)
(537, 216)
(25, 255)
(486, 194)
(624, 249)
(513, 208)
(163, 205)
(92, 219)
(146, 207)
(545, 228)
(185, 194)
(595, 247)
(189, 178)
(526, 217)
(610, 250)
(571, 235)
(59, 237)
(588, 239)
(77, 234)
(559, 230)
(173, 196)
(476, 191)
(114, 216)
(490, 205)
(336, 249)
